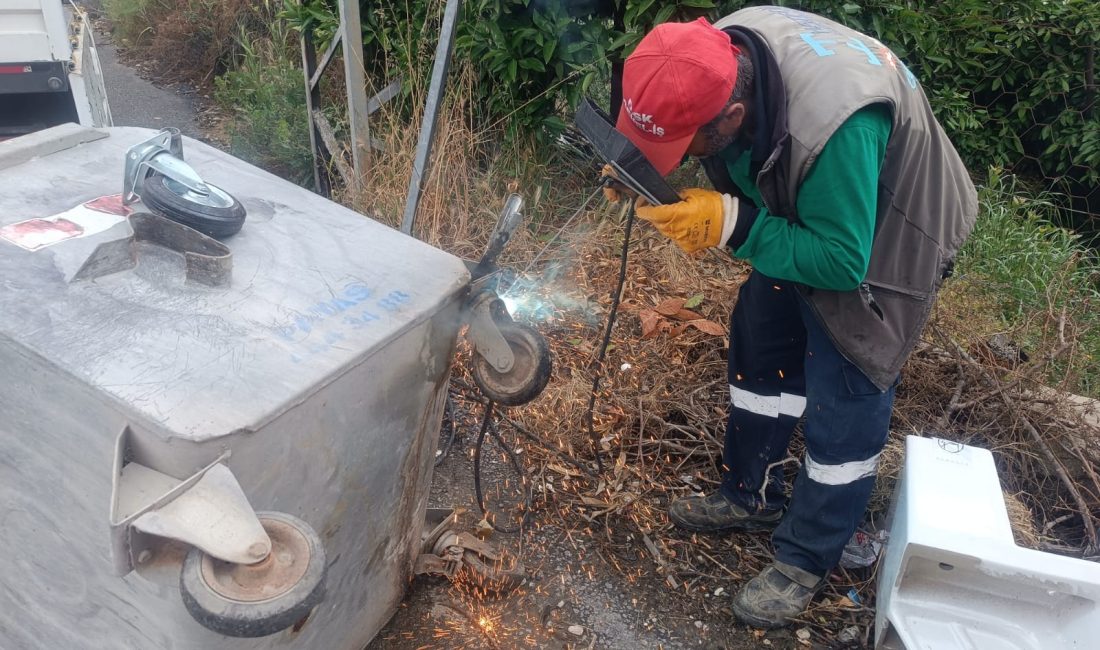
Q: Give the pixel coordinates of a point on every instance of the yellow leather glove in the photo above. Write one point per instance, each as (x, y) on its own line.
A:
(703, 219)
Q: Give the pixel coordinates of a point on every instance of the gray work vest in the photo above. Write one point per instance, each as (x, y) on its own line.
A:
(927, 203)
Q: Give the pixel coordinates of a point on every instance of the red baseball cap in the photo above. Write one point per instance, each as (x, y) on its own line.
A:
(678, 79)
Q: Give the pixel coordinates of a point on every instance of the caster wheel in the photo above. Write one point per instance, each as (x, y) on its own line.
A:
(529, 374)
(253, 600)
(216, 214)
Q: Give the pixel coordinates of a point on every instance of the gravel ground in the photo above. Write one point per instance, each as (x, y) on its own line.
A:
(574, 597)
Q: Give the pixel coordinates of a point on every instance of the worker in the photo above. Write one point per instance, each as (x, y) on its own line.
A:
(833, 179)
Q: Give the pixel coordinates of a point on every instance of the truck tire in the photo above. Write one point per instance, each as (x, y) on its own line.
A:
(259, 599)
(217, 214)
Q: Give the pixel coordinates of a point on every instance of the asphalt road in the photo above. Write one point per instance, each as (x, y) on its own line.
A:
(135, 101)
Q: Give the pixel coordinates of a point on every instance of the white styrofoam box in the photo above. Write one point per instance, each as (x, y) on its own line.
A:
(953, 578)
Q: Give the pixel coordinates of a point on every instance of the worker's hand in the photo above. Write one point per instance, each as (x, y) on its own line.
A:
(613, 190)
(703, 219)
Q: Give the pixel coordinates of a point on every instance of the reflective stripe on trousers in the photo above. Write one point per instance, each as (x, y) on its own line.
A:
(771, 406)
(842, 473)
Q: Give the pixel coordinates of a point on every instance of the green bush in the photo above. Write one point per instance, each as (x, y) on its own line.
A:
(133, 19)
(263, 94)
(534, 60)
(1012, 81)
(1032, 271)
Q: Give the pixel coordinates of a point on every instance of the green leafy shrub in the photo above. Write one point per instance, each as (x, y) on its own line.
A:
(133, 19)
(1012, 81)
(534, 59)
(1032, 272)
(263, 93)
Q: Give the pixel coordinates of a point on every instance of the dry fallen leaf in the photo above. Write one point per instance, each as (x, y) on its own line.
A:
(649, 320)
(669, 307)
(564, 471)
(708, 327)
(686, 314)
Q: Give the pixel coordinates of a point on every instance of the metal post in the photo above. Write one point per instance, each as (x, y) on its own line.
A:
(313, 99)
(351, 34)
(431, 113)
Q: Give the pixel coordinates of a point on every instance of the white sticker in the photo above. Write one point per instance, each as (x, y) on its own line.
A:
(86, 219)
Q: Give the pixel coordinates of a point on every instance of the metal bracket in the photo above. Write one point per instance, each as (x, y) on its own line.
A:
(440, 521)
(451, 539)
(485, 309)
(161, 153)
(214, 515)
(208, 509)
(445, 551)
(507, 223)
(349, 38)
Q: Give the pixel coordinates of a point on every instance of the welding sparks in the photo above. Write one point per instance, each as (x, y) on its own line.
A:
(528, 305)
(537, 299)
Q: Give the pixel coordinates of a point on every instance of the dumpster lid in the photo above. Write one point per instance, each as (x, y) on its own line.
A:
(314, 288)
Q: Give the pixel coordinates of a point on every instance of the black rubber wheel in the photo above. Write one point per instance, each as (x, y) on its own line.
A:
(253, 600)
(529, 374)
(217, 214)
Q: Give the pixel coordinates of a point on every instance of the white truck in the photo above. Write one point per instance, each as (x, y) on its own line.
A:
(49, 69)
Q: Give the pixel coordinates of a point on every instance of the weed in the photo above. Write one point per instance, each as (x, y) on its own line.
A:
(135, 20)
(194, 40)
(264, 95)
(1027, 272)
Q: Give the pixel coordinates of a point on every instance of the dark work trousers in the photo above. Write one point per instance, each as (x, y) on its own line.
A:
(783, 365)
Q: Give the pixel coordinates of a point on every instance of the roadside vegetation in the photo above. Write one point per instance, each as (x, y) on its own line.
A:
(518, 69)
(1012, 82)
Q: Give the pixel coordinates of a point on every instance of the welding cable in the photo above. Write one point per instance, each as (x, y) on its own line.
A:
(487, 426)
(471, 393)
(616, 296)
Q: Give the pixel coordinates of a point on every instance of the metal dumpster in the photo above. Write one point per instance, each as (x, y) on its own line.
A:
(145, 407)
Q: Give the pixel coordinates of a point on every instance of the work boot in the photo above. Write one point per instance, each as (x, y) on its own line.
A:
(714, 513)
(776, 595)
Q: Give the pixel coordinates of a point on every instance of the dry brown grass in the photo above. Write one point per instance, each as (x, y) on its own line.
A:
(468, 181)
(191, 41)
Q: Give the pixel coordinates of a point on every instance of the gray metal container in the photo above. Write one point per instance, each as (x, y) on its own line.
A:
(316, 374)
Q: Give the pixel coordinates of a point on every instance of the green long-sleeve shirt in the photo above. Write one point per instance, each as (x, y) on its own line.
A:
(830, 247)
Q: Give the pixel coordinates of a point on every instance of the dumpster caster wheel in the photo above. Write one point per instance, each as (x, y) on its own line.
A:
(529, 374)
(253, 600)
(216, 214)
